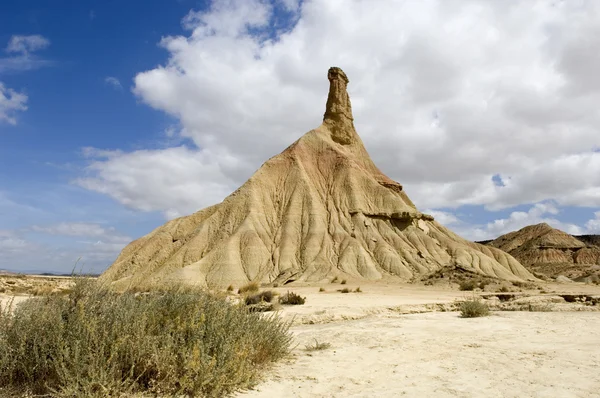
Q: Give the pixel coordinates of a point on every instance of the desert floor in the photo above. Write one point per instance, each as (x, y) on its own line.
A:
(408, 340)
(378, 350)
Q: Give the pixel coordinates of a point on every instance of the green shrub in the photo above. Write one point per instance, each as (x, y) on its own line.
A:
(249, 288)
(291, 298)
(97, 343)
(473, 308)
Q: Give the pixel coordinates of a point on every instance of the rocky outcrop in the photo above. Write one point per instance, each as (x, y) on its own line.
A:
(550, 251)
(319, 209)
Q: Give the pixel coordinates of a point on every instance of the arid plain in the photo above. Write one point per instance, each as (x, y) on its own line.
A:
(399, 339)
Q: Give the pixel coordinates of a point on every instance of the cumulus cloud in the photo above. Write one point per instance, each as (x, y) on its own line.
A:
(113, 82)
(593, 225)
(11, 102)
(196, 179)
(443, 217)
(545, 212)
(446, 95)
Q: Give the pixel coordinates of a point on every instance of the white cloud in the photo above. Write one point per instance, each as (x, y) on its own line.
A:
(593, 225)
(443, 217)
(196, 179)
(93, 245)
(446, 94)
(545, 212)
(113, 82)
(74, 229)
(22, 57)
(11, 102)
(26, 44)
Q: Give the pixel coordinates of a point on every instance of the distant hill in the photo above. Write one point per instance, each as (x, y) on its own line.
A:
(552, 252)
(593, 240)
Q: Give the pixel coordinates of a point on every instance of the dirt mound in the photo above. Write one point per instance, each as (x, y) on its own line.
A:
(319, 209)
(551, 252)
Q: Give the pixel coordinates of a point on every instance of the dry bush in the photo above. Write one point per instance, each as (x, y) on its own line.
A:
(334, 280)
(43, 290)
(321, 289)
(525, 285)
(467, 285)
(230, 288)
(344, 290)
(291, 298)
(473, 308)
(358, 290)
(97, 343)
(249, 288)
(343, 282)
(317, 346)
(262, 297)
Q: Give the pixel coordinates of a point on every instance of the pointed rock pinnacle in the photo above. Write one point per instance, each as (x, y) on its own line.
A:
(338, 112)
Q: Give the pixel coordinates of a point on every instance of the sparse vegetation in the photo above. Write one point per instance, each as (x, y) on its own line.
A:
(525, 285)
(344, 290)
(97, 343)
(291, 298)
(467, 285)
(473, 308)
(249, 288)
(343, 282)
(358, 290)
(230, 288)
(321, 289)
(262, 297)
(317, 346)
(334, 280)
(503, 289)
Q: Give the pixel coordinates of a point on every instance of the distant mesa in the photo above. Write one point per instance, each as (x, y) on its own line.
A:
(319, 209)
(552, 252)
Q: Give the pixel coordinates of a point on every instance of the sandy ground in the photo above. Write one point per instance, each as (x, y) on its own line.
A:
(384, 353)
(393, 340)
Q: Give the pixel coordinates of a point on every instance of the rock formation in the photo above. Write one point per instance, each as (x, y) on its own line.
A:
(550, 251)
(319, 209)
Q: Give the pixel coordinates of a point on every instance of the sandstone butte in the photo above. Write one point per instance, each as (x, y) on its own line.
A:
(551, 252)
(319, 209)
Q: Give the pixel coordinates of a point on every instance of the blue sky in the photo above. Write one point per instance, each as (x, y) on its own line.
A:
(70, 105)
(116, 116)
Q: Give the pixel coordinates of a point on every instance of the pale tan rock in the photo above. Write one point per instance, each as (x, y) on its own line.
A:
(550, 251)
(319, 209)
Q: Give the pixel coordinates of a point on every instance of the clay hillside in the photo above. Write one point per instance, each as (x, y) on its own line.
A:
(319, 209)
(551, 252)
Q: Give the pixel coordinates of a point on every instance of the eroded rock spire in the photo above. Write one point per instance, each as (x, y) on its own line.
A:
(338, 112)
